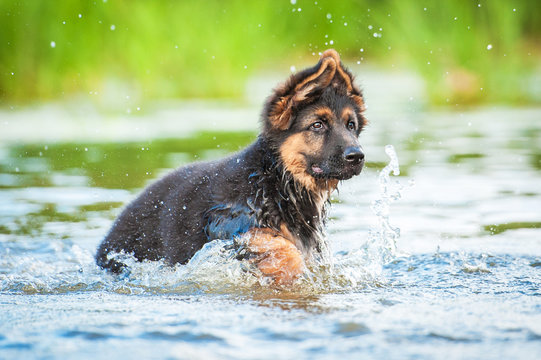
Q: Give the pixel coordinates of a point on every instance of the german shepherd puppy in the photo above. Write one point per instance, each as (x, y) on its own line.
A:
(272, 195)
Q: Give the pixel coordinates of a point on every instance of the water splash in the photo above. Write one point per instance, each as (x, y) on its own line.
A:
(382, 239)
(364, 265)
(65, 267)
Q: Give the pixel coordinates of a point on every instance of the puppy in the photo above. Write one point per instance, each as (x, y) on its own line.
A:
(272, 195)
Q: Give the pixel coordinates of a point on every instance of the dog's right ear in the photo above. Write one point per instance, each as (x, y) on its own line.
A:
(297, 89)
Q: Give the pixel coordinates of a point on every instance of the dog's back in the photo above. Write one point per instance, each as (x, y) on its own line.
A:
(175, 216)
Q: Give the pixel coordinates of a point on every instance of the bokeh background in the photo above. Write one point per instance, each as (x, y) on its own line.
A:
(100, 98)
(469, 52)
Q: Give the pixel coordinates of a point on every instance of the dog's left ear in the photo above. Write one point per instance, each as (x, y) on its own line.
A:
(303, 87)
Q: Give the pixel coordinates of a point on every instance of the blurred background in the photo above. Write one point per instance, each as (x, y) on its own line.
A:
(467, 52)
(98, 98)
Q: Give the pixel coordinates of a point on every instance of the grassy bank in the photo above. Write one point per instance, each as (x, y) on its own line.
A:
(469, 51)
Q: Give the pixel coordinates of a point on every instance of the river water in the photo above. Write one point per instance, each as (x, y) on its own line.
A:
(441, 259)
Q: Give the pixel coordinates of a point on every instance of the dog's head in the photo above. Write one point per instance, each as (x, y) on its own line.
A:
(314, 120)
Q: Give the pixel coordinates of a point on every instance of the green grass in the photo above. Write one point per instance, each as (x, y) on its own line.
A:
(193, 49)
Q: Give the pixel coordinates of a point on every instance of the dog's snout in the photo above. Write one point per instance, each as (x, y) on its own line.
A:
(353, 154)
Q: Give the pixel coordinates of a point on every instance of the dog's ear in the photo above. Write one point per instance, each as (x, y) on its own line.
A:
(298, 89)
(343, 80)
(304, 86)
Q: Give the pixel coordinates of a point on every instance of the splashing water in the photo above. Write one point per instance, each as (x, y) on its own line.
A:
(383, 238)
(215, 268)
(365, 265)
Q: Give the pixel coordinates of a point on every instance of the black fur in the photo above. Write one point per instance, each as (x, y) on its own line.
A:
(176, 216)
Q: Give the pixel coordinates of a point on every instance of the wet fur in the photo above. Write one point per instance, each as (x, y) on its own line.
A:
(266, 186)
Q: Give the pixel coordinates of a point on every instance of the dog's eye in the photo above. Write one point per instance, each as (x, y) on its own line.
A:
(351, 125)
(317, 125)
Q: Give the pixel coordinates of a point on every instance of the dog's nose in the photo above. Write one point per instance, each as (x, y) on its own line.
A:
(353, 154)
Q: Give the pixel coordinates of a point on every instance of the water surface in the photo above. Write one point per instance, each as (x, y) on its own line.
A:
(463, 282)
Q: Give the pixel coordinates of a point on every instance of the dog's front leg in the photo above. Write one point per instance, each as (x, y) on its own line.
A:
(275, 256)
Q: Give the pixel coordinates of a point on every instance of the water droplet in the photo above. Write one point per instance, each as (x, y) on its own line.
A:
(489, 46)
(292, 68)
(113, 27)
(329, 16)
(293, 2)
(345, 24)
(80, 16)
(331, 42)
(53, 44)
(370, 27)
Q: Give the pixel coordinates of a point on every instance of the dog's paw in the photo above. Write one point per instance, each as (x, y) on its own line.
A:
(275, 256)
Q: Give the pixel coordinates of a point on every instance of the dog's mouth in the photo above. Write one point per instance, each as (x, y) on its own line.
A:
(317, 170)
(347, 171)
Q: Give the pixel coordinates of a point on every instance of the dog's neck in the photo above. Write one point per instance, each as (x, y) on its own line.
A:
(286, 202)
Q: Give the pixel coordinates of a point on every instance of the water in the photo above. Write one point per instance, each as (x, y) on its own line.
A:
(439, 257)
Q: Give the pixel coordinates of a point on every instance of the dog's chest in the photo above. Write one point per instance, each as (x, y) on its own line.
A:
(226, 221)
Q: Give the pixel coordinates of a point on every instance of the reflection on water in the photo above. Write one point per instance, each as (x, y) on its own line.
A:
(109, 165)
(467, 202)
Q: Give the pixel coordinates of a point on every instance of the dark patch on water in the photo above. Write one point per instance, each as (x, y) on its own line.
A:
(495, 229)
(17, 346)
(458, 158)
(452, 338)
(351, 329)
(87, 335)
(181, 336)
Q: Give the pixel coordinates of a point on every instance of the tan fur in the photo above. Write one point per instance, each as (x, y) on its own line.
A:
(334, 55)
(347, 114)
(276, 256)
(291, 155)
(327, 69)
(326, 113)
(359, 101)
